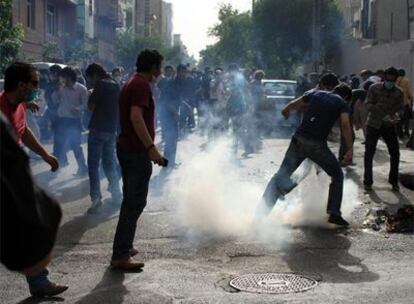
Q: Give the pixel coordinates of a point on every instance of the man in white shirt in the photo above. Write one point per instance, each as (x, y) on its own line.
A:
(72, 100)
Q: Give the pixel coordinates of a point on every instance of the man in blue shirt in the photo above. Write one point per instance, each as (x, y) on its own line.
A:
(321, 110)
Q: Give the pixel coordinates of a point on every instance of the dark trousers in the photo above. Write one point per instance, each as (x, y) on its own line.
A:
(299, 150)
(136, 173)
(171, 133)
(102, 147)
(390, 137)
(404, 125)
(69, 137)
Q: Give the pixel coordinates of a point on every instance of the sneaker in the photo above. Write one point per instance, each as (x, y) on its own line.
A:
(94, 209)
(337, 220)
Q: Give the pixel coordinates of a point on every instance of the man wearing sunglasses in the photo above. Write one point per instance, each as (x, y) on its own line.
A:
(26, 243)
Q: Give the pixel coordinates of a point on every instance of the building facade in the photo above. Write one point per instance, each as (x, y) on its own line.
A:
(384, 37)
(385, 20)
(167, 23)
(45, 21)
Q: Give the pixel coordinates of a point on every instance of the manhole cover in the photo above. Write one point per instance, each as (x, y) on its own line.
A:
(273, 283)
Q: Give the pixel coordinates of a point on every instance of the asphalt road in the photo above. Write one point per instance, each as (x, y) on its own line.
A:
(193, 244)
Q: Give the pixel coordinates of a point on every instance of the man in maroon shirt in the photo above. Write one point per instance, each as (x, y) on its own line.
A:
(136, 151)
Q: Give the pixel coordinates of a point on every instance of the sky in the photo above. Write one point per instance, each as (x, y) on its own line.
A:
(193, 18)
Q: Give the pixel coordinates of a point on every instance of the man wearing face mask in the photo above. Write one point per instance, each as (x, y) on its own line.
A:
(385, 104)
(18, 90)
(26, 237)
(136, 150)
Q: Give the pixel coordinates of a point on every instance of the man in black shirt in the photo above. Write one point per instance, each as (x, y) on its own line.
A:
(322, 109)
(103, 127)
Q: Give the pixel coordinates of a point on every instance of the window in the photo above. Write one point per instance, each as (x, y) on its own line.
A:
(31, 14)
(51, 20)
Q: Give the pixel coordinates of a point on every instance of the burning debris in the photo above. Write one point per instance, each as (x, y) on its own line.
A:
(400, 222)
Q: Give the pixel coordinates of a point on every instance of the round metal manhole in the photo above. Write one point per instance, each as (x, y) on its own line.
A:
(276, 283)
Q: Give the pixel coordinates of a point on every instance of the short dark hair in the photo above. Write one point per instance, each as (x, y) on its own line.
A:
(95, 69)
(344, 91)
(70, 73)
(329, 80)
(401, 72)
(233, 67)
(16, 72)
(181, 67)
(55, 69)
(392, 71)
(367, 85)
(147, 59)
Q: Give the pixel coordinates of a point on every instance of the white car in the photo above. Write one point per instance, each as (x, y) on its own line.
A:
(277, 93)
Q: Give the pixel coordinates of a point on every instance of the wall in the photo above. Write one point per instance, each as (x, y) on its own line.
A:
(356, 57)
(33, 38)
(391, 20)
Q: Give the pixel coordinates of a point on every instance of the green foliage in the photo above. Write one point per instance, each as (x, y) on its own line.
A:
(277, 36)
(50, 51)
(129, 45)
(81, 52)
(10, 36)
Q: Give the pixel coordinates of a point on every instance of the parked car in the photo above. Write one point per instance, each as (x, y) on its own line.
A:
(277, 93)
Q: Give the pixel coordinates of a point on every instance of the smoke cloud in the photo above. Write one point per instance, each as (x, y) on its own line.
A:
(215, 200)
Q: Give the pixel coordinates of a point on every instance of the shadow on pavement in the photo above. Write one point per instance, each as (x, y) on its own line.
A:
(64, 194)
(110, 289)
(325, 253)
(33, 300)
(71, 233)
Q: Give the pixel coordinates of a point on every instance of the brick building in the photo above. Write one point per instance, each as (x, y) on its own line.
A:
(44, 21)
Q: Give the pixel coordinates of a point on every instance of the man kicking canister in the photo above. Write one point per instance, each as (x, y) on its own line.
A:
(321, 111)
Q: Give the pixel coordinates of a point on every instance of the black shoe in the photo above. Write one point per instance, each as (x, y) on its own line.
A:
(50, 290)
(337, 220)
(396, 188)
(368, 187)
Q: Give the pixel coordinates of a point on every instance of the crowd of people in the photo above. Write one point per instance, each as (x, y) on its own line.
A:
(120, 113)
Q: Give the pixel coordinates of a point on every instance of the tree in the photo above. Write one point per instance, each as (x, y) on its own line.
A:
(284, 32)
(10, 36)
(277, 36)
(234, 35)
(129, 45)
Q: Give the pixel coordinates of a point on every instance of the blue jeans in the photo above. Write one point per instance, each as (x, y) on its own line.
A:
(101, 147)
(300, 149)
(38, 281)
(136, 173)
(171, 141)
(69, 137)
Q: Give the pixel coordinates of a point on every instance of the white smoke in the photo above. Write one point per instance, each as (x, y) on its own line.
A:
(214, 199)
